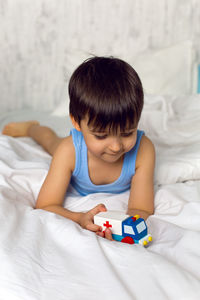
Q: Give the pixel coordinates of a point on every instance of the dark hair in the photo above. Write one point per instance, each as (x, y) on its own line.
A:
(108, 91)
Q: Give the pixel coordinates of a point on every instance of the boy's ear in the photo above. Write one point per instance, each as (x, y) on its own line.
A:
(75, 124)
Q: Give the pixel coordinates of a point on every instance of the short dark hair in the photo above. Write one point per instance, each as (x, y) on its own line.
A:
(107, 91)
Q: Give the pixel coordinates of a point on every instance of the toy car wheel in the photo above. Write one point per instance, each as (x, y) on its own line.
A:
(128, 240)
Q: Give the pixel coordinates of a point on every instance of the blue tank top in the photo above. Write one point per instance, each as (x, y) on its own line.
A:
(80, 179)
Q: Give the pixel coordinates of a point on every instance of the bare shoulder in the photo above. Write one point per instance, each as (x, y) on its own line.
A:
(146, 144)
(146, 151)
(65, 153)
(67, 144)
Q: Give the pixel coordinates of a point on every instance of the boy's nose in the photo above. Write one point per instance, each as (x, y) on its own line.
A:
(115, 145)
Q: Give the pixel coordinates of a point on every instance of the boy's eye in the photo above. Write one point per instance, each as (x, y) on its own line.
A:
(127, 134)
(100, 137)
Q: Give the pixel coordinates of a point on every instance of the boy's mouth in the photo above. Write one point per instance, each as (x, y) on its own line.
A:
(115, 154)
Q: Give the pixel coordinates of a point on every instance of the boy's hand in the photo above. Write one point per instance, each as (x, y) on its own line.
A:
(86, 221)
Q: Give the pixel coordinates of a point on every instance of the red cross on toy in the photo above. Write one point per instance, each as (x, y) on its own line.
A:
(107, 225)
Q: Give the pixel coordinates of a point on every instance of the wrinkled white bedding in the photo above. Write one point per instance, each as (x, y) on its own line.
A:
(44, 256)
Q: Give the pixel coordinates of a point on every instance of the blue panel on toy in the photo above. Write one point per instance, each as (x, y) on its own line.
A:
(136, 229)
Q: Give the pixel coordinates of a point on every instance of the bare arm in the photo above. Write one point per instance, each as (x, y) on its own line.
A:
(53, 190)
(141, 200)
(52, 193)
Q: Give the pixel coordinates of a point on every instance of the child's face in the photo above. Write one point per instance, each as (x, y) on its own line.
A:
(107, 146)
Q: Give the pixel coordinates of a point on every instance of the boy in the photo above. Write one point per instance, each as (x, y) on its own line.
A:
(105, 152)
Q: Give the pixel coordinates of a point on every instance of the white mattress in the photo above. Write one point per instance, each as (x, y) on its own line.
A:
(45, 256)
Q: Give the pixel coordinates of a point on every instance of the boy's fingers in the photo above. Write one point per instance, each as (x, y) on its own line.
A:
(101, 234)
(97, 209)
(105, 234)
(93, 227)
(108, 234)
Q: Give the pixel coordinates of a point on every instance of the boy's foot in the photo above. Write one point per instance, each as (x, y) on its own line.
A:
(17, 129)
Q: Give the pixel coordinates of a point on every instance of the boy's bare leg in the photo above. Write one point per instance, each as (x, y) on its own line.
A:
(43, 135)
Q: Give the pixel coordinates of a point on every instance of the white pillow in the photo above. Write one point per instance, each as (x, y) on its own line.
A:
(166, 71)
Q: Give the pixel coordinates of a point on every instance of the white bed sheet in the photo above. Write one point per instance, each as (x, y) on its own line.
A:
(44, 256)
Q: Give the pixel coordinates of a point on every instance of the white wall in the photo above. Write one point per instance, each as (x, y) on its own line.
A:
(36, 36)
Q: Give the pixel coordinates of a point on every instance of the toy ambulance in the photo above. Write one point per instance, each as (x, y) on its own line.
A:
(126, 229)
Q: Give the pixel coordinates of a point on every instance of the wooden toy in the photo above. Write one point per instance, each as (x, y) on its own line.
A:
(126, 229)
